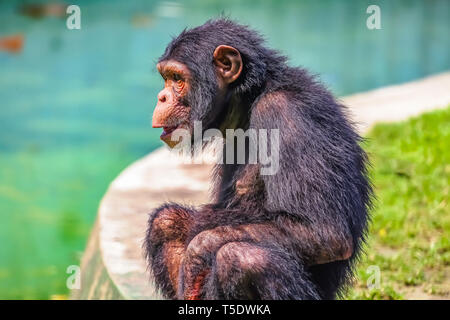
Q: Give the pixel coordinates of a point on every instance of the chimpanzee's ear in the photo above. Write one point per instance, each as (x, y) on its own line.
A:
(228, 62)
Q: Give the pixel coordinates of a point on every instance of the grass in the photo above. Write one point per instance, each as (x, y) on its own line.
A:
(410, 233)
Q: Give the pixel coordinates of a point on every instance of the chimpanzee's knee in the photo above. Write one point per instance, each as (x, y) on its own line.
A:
(169, 222)
(169, 225)
(248, 271)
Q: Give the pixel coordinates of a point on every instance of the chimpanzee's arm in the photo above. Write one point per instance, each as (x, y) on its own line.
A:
(312, 242)
(310, 182)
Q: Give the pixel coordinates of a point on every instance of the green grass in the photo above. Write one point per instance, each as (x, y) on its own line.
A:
(410, 233)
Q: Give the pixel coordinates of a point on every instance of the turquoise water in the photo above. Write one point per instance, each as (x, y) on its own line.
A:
(75, 105)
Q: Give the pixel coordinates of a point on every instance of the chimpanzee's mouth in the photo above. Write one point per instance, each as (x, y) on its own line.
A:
(167, 131)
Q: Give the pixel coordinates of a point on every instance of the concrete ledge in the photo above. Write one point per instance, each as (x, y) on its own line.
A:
(113, 266)
(399, 102)
(96, 281)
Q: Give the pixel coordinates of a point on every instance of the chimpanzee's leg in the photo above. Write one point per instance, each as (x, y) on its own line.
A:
(248, 271)
(243, 262)
(168, 226)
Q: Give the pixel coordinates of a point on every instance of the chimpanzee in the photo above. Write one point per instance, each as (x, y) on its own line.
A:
(295, 234)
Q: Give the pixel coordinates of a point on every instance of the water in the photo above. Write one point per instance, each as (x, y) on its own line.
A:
(75, 105)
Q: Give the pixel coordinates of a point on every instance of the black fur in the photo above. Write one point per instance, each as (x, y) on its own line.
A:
(320, 193)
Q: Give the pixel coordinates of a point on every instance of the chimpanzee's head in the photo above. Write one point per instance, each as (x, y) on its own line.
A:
(203, 68)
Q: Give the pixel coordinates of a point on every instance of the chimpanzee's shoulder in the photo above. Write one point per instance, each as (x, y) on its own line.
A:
(272, 101)
(281, 101)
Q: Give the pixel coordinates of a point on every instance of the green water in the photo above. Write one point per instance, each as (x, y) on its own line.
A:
(75, 106)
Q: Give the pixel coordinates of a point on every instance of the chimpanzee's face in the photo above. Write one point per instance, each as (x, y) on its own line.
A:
(179, 98)
(172, 109)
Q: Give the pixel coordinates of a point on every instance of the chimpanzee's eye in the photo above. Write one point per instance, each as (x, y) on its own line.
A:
(176, 77)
